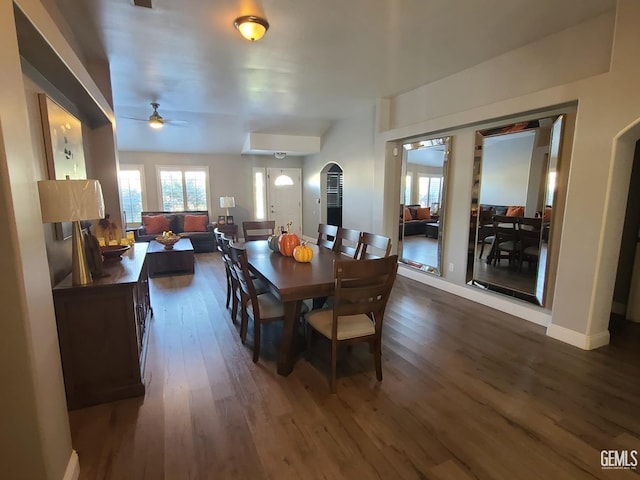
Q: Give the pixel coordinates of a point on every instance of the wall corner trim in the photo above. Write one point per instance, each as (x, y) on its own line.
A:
(577, 339)
(73, 467)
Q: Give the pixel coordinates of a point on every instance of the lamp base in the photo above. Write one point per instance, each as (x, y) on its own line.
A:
(80, 273)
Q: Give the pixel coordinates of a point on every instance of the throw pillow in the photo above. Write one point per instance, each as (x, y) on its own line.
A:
(407, 214)
(515, 211)
(195, 223)
(155, 224)
(423, 213)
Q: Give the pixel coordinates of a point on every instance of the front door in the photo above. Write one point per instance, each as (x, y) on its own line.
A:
(284, 197)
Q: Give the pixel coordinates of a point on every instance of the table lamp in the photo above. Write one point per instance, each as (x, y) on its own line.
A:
(227, 202)
(72, 201)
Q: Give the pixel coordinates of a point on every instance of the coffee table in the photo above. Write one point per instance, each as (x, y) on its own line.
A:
(178, 260)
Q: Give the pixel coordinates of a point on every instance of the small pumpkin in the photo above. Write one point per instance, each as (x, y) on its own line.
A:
(303, 253)
(273, 243)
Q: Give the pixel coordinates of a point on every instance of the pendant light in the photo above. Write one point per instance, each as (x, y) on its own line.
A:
(251, 27)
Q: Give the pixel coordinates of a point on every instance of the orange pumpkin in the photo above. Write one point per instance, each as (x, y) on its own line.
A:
(287, 242)
(303, 253)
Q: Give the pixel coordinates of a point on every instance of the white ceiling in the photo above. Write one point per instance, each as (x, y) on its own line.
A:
(319, 62)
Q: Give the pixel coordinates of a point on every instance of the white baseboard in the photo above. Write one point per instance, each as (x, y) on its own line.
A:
(537, 315)
(73, 467)
(577, 339)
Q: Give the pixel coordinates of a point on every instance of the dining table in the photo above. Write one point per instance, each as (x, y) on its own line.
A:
(292, 282)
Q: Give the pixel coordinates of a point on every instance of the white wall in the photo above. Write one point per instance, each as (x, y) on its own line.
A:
(577, 65)
(349, 143)
(506, 161)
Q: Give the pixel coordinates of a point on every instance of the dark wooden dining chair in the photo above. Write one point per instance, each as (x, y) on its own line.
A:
(362, 290)
(327, 235)
(373, 245)
(258, 229)
(505, 231)
(347, 242)
(227, 263)
(529, 240)
(260, 307)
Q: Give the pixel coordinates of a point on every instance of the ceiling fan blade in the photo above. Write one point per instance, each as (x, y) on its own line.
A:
(134, 118)
(142, 3)
(175, 122)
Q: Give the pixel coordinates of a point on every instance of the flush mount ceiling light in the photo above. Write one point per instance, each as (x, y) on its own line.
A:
(155, 119)
(251, 27)
(279, 155)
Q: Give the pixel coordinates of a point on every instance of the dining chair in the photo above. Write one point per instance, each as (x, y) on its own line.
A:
(529, 236)
(234, 282)
(226, 261)
(327, 235)
(347, 242)
(372, 245)
(362, 290)
(505, 231)
(260, 307)
(258, 229)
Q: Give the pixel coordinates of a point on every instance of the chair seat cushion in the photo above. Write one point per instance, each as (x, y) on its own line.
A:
(349, 326)
(509, 246)
(270, 306)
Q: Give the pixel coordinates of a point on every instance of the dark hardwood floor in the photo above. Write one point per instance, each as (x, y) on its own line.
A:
(468, 393)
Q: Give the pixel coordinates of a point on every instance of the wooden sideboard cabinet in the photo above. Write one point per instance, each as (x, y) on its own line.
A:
(102, 331)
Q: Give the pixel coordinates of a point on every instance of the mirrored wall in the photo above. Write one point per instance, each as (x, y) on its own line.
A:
(513, 194)
(423, 202)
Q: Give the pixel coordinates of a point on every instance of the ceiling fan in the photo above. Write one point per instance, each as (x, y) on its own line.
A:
(156, 120)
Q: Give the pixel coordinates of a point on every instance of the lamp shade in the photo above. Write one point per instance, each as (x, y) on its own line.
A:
(227, 202)
(70, 200)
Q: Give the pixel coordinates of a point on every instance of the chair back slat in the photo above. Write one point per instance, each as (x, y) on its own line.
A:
(373, 245)
(258, 229)
(327, 235)
(347, 242)
(363, 287)
(240, 266)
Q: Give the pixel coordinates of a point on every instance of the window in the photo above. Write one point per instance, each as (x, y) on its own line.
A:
(183, 188)
(407, 189)
(429, 190)
(259, 193)
(132, 199)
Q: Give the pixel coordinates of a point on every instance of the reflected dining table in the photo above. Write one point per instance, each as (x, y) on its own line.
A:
(292, 282)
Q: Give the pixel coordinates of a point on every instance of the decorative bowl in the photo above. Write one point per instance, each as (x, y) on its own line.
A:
(168, 242)
(113, 252)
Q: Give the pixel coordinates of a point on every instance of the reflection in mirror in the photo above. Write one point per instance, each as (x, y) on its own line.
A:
(512, 203)
(422, 203)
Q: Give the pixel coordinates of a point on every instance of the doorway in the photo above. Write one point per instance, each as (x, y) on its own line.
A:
(625, 315)
(284, 196)
(331, 192)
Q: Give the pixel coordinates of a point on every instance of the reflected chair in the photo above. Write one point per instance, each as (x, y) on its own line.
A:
(258, 229)
(347, 242)
(529, 236)
(362, 290)
(327, 235)
(505, 230)
(372, 245)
